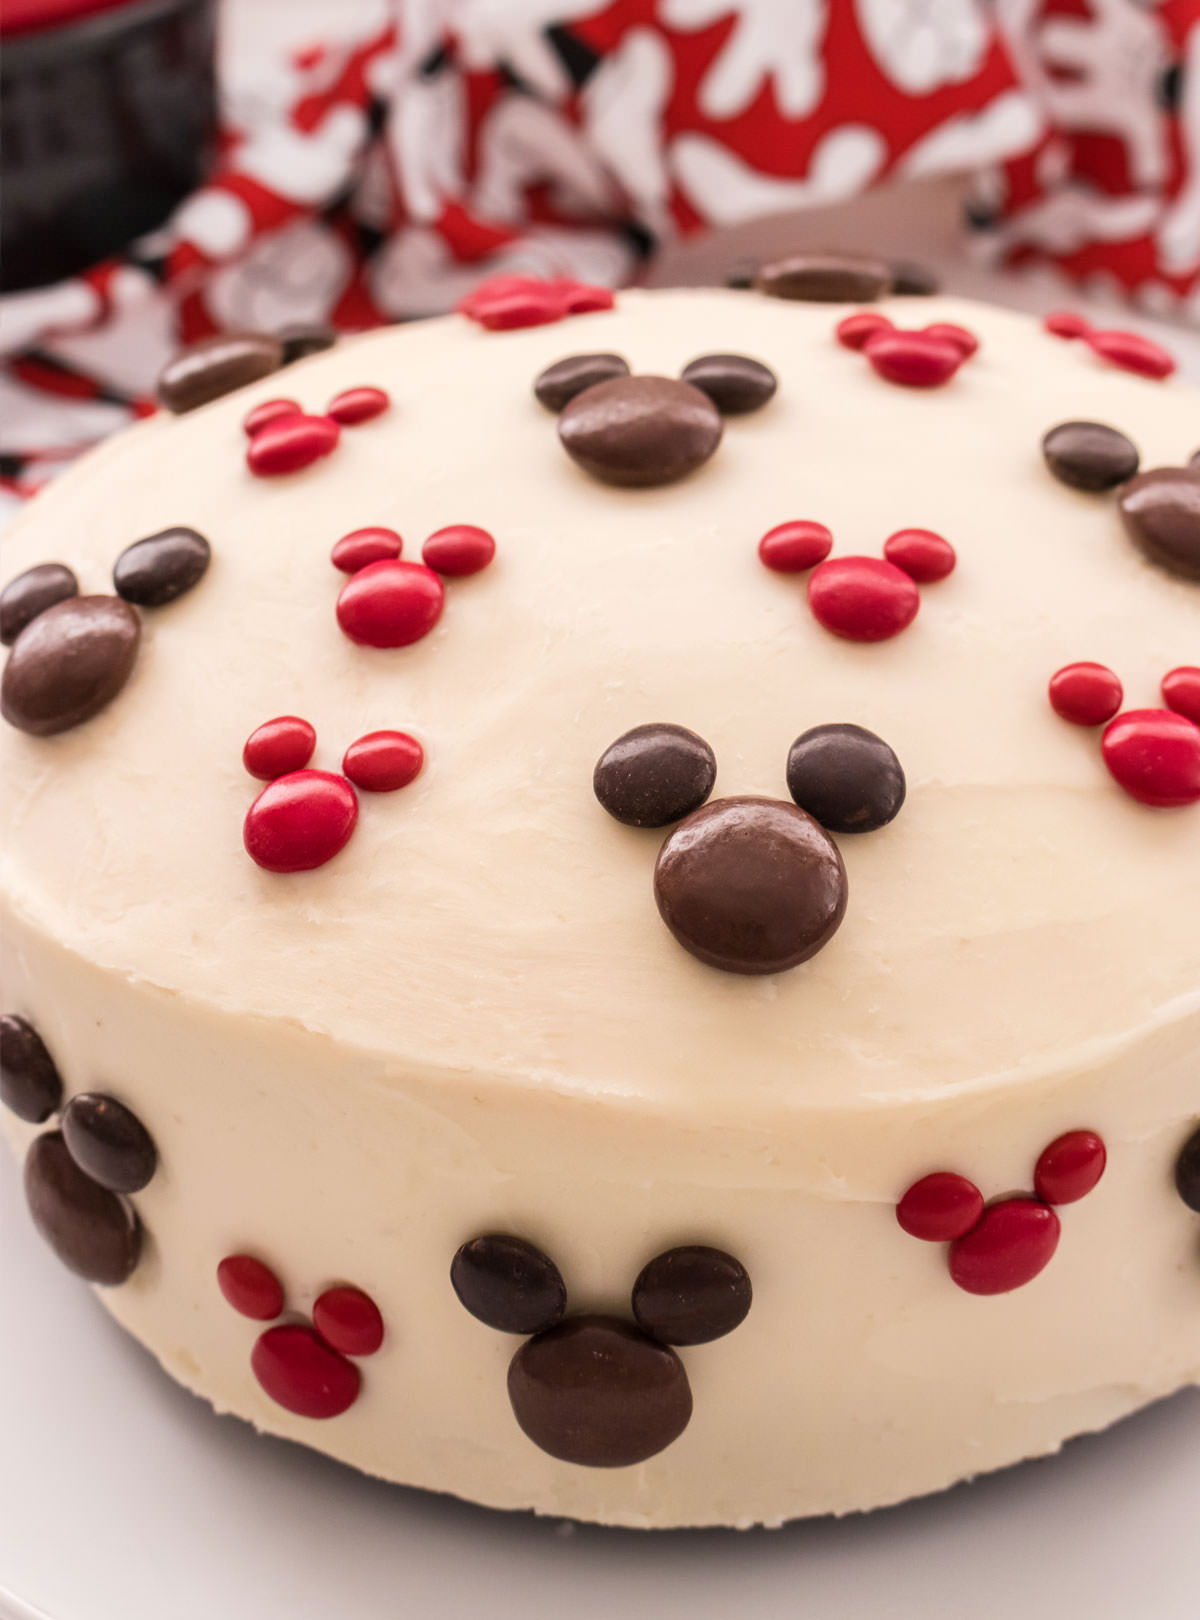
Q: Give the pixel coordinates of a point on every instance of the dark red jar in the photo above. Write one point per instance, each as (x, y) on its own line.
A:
(107, 121)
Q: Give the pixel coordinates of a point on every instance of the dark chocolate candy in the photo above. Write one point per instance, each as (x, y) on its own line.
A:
(31, 593)
(596, 1391)
(29, 1082)
(1089, 455)
(558, 384)
(911, 280)
(691, 1295)
(92, 1231)
(216, 366)
(1161, 512)
(750, 885)
(826, 278)
(640, 431)
(109, 1142)
(654, 775)
(154, 571)
(509, 1284)
(846, 777)
(1187, 1171)
(301, 341)
(735, 383)
(69, 664)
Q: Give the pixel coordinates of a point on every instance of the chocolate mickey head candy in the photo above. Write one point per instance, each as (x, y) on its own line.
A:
(593, 1389)
(639, 432)
(30, 1084)
(93, 1231)
(846, 777)
(826, 278)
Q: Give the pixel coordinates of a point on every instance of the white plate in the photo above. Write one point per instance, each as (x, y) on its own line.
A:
(123, 1498)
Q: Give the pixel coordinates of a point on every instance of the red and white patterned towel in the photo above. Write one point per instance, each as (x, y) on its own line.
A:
(380, 157)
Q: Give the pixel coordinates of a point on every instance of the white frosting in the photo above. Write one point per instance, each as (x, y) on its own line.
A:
(474, 1019)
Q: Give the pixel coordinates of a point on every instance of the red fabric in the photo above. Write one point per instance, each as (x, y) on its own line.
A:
(382, 169)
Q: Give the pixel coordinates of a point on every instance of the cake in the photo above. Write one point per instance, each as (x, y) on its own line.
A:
(674, 999)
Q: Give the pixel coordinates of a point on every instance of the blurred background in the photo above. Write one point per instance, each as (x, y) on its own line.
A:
(172, 168)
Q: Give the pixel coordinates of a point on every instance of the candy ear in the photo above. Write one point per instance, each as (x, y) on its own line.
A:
(557, 386)
(735, 383)
(846, 778)
(691, 1295)
(655, 775)
(1187, 1171)
(509, 1284)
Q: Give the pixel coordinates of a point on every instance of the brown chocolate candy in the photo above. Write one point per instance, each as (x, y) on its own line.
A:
(596, 1391)
(31, 593)
(1161, 512)
(751, 885)
(509, 1284)
(1187, 1171)
(109, 1142)
(654, 775)
(91, 1230)
(640, 431)
(301, 341)
(692, 1295)
(558, 385)
(154, 571)
(30, 1083)
(826, 278)
(735, 383)
(1089, 455)
(69, 664)
(216, 366)
(846, 777)
(911, 280)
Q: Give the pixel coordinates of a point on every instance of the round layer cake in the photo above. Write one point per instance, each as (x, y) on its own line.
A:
(730, 1050)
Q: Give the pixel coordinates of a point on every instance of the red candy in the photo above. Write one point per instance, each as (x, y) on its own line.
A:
(383, 761)
(913, 359)
(1132, 352)
(922, 554)
(505, 302)
(278, 747)
(963, 340)
(1181, 691)
(1155, 756)
(300, 821)
(302, 1373)
(355, 405)
(1010, 1245)
(290, 443)
(459, 550)
(267, 412)
(1085, 694)
(362, 546)
(390, 604)
(940, 1207)
(1065, 323)
(862, 598)
(250, 1286)
(1070, 1167)
(349, 1321)
(790, 548)
(854, 330)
